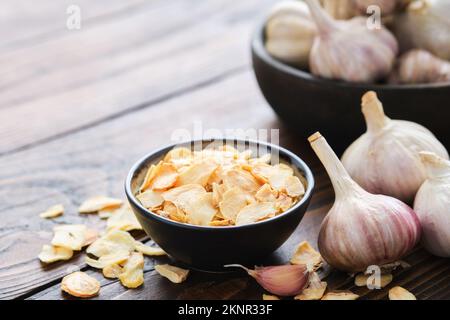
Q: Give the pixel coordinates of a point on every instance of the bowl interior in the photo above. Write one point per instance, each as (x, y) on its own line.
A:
(278, 155)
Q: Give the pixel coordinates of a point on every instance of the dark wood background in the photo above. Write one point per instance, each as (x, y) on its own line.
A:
(78, 107)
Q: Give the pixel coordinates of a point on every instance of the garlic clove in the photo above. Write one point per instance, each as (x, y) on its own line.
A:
(290, 32)
(285, 280)
(420, 66)
(432, 202)
(361, 229)
(348, 50)
(385, 159)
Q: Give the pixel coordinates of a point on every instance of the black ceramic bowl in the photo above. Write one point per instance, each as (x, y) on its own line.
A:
(308, 103)
(210, 248)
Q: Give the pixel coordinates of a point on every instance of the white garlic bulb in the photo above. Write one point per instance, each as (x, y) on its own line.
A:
(385, 159)
(290, 32)
(420, 66)
(362, 229)
(386, 6)
(349, 50)
(425, 25)
(432, 205)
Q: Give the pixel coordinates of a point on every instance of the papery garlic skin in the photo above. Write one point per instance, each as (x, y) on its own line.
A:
(349, 50)
(362, 229)
(425, 25)
(290, 32)
(420, 66)
(432, 205)
(385, 159)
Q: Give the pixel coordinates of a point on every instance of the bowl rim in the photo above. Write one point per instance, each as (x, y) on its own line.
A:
(258, 48)
(288, 154)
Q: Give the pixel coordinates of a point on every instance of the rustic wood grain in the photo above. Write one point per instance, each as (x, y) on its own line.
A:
(84, 70)
(78, 108)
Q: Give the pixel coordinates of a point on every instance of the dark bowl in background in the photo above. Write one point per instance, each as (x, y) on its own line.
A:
(209, 248)
(308, 104)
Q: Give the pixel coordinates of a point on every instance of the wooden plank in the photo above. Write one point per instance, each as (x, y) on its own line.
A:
(23, 24)
(86, 75)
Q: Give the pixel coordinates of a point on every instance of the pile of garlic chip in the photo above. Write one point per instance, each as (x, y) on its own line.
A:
(219, 186)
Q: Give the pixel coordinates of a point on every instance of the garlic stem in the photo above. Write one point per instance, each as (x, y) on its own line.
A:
(324, 22)
(436, 166)
(372, 109)
(343, 184)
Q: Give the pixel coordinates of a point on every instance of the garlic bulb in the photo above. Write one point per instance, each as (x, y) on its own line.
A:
(361, 229)
(290, 32)
(386, 6)
(339, 9)
(432, 205)
(420, 66)
(285, 280)
(348, 50)
(385, 159)
(425, 25)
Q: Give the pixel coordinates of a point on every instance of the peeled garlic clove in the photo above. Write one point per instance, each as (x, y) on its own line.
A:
(385, 159)
(361, 229)
(286, 280)
(425, 25)
(290, 32)
(432, 205)
(349, 50)
(420, 66)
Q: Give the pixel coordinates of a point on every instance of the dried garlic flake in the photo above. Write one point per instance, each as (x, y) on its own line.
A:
(270, 297)
(53, 212)
(98, 203)
(80, 284)
(51, 254)
(305, 254)
(174, 274)
(71, 236)
(149, 251)
(133, 271)
(340, 295)
(371, 281)
(399, 293)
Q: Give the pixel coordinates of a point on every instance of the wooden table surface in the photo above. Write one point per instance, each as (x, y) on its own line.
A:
(78, 107)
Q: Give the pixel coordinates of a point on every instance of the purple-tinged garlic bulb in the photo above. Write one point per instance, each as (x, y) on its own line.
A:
(361, 229)
(349, 50)
(385, 159)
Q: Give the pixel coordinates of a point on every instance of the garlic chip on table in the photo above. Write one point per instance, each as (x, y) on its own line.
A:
(370, 281)
(80, 284)
(98, 203)
(306, 255)
(340, 295)
(174, 274)
(270, 297)
(315, 289)
(123, 219)
(53, 212)
(132, 275)
(51, 254)
(71, 236)
(399, 293)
